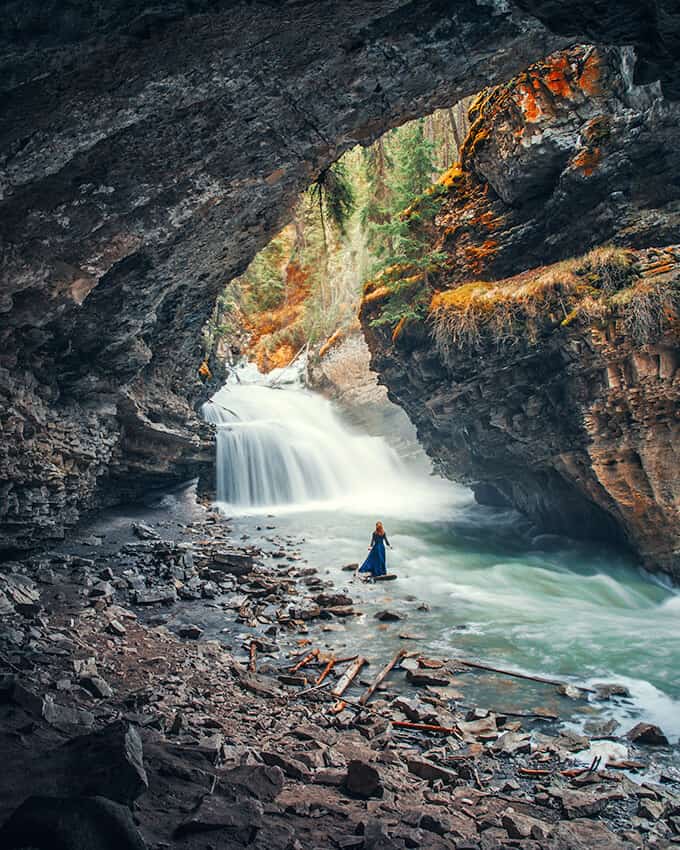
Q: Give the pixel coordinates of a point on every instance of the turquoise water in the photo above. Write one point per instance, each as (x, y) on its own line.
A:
(493, 588)
(543, 605)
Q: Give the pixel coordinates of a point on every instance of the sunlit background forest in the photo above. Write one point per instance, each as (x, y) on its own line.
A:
(303, 288)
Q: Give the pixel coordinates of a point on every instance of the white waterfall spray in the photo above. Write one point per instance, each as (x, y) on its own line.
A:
(281, 445)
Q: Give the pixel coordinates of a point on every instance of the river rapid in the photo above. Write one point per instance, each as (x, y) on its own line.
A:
(472, 581)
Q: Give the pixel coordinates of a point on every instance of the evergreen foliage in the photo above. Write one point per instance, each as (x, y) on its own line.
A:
(349, 226)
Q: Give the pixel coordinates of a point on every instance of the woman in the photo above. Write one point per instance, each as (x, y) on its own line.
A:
(375, 563)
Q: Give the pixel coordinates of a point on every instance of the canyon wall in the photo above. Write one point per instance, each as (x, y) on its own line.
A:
(146, 154)
(549, 383)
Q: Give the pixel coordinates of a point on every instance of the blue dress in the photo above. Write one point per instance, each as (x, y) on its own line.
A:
(375, 563)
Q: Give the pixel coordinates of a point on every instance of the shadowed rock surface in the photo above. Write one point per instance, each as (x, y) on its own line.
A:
(556, 391)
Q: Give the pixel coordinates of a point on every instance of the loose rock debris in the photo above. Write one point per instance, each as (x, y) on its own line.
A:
(113, 724)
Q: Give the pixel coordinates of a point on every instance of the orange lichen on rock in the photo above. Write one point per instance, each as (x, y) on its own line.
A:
(590, 79)
(558, 76)
(476, 255)
(587, 160)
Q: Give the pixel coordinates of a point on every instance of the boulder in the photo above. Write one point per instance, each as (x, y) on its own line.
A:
(144, 531)
(647, 733)
(520, 825)
(363, 780)
(423, 678)
(240, 816)
(261, 781)
(424, 769)
(190, 630)
(290, 766)
(388, 616)
(71, 823)
(233, 563)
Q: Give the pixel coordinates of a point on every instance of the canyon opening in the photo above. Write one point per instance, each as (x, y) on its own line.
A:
(339, 490)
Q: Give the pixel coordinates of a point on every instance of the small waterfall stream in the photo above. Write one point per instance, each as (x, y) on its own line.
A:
(492, 587)
(280, 445)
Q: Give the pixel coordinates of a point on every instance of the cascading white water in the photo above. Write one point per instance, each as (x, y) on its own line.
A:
(280, 445)
(492, 588)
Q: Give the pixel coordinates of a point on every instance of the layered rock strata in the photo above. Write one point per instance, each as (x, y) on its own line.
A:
(552, 388)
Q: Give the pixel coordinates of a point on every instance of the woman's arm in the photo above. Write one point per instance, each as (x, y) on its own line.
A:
(387, 542)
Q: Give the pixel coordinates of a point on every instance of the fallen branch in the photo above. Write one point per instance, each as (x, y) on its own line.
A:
(381, 676)
(307, 658)
(625, 765)
(426, 727)
(477, 665)
(345, 681)
(533, 771)
(326, 670)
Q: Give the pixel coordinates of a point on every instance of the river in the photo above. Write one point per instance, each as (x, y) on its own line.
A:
(472, 581)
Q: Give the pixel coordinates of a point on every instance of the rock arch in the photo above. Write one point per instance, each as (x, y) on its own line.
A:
(145, 157)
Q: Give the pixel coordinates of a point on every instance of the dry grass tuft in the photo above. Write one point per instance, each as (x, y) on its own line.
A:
(519, 310)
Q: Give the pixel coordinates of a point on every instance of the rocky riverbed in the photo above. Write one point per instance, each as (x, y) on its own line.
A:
(111, 698)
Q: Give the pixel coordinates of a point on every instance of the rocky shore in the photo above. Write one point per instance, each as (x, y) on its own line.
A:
(157, 738)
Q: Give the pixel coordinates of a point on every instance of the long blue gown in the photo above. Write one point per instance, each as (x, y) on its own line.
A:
(375, 563)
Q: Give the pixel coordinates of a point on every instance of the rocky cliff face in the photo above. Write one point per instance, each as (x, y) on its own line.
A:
(146, 154)
(553, 386)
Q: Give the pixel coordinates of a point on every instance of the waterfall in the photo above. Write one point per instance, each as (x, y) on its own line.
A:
(280, 445)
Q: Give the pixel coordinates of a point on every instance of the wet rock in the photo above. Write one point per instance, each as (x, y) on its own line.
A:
(233, 563)
(190, 630)
(333, 600)
(598, 729)
(155, 595)
(572, 692)
(71, 823)
(363, 780)
(388, 616)
(307, 612)
(606, 691)
(422, 678)
(648, 734)
(144, 531)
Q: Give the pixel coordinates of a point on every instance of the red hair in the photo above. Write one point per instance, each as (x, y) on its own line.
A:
(379, 528)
